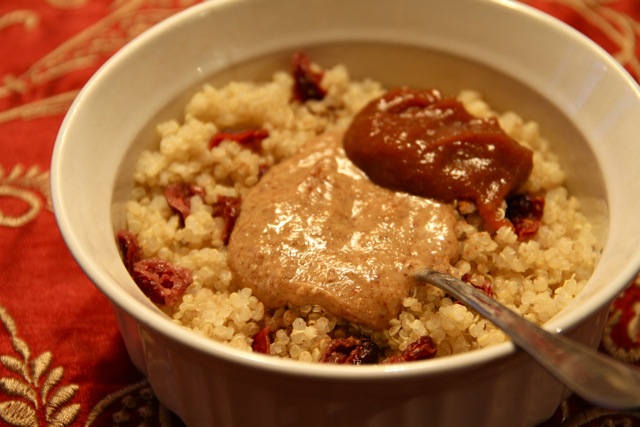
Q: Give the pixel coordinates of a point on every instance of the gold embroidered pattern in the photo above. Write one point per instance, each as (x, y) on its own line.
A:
(27, 18)
(622, 331)
(67, 4)
(32, 385)
(137, 403)
(87, 49)
(30, 186)
(54, 105)
(621, 29)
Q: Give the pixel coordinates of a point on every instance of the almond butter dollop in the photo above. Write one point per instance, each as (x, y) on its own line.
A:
(316, 230)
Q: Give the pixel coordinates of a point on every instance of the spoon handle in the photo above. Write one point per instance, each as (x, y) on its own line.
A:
(595, 377)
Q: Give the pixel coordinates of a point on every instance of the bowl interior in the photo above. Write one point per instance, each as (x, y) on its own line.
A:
(403, 65)
(582, 99)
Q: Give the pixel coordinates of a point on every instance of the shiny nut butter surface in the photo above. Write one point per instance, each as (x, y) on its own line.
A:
(316, 230)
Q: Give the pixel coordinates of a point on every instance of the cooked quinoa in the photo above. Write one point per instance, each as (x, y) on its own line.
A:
(537, 277)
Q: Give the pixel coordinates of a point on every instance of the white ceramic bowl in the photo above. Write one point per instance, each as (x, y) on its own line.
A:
(521, 59)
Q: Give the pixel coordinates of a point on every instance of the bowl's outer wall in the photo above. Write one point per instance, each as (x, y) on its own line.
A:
(512, 391)
(209, 384)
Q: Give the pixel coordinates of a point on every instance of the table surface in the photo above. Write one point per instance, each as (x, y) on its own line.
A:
(62, 361)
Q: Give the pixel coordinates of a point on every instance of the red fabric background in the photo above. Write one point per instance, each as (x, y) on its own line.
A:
(62, 361)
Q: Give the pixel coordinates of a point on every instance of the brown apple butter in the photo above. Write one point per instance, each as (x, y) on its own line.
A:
(422, 143)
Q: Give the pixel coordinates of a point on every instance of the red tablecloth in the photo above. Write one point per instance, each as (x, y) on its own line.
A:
(62, 361)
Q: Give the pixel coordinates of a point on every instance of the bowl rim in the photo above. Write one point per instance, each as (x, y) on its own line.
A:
(157, 321)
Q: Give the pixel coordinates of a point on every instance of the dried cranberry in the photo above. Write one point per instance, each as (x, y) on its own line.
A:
(525, 213)
(351, 351)
(307, 82)
(179, 197)
(365, 353)
(261, 341)
(250, 138)
(160, 281)
(486, 286)
(229, 209)
(421, 349)
(129, 248)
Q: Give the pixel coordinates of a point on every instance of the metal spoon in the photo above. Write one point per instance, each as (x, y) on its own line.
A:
(598, 379)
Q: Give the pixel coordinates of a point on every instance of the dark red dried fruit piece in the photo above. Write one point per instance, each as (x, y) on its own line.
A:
(229, 209)
(261, 341)
(525, 213)
(307, 82)
(249, 138)
(160, 281)
(365, 353)
(486, 286)
(129, 248)
(421, 349)
(179, 197)
(351, 351)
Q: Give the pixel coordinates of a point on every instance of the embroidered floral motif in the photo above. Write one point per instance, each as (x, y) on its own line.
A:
(133, 405)
(31, 386)
(27, 18)
(33, 391)
(67, 4)
(620, 28)
(29, 186)
(603, 417)
(86, 50)
(622, 333)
